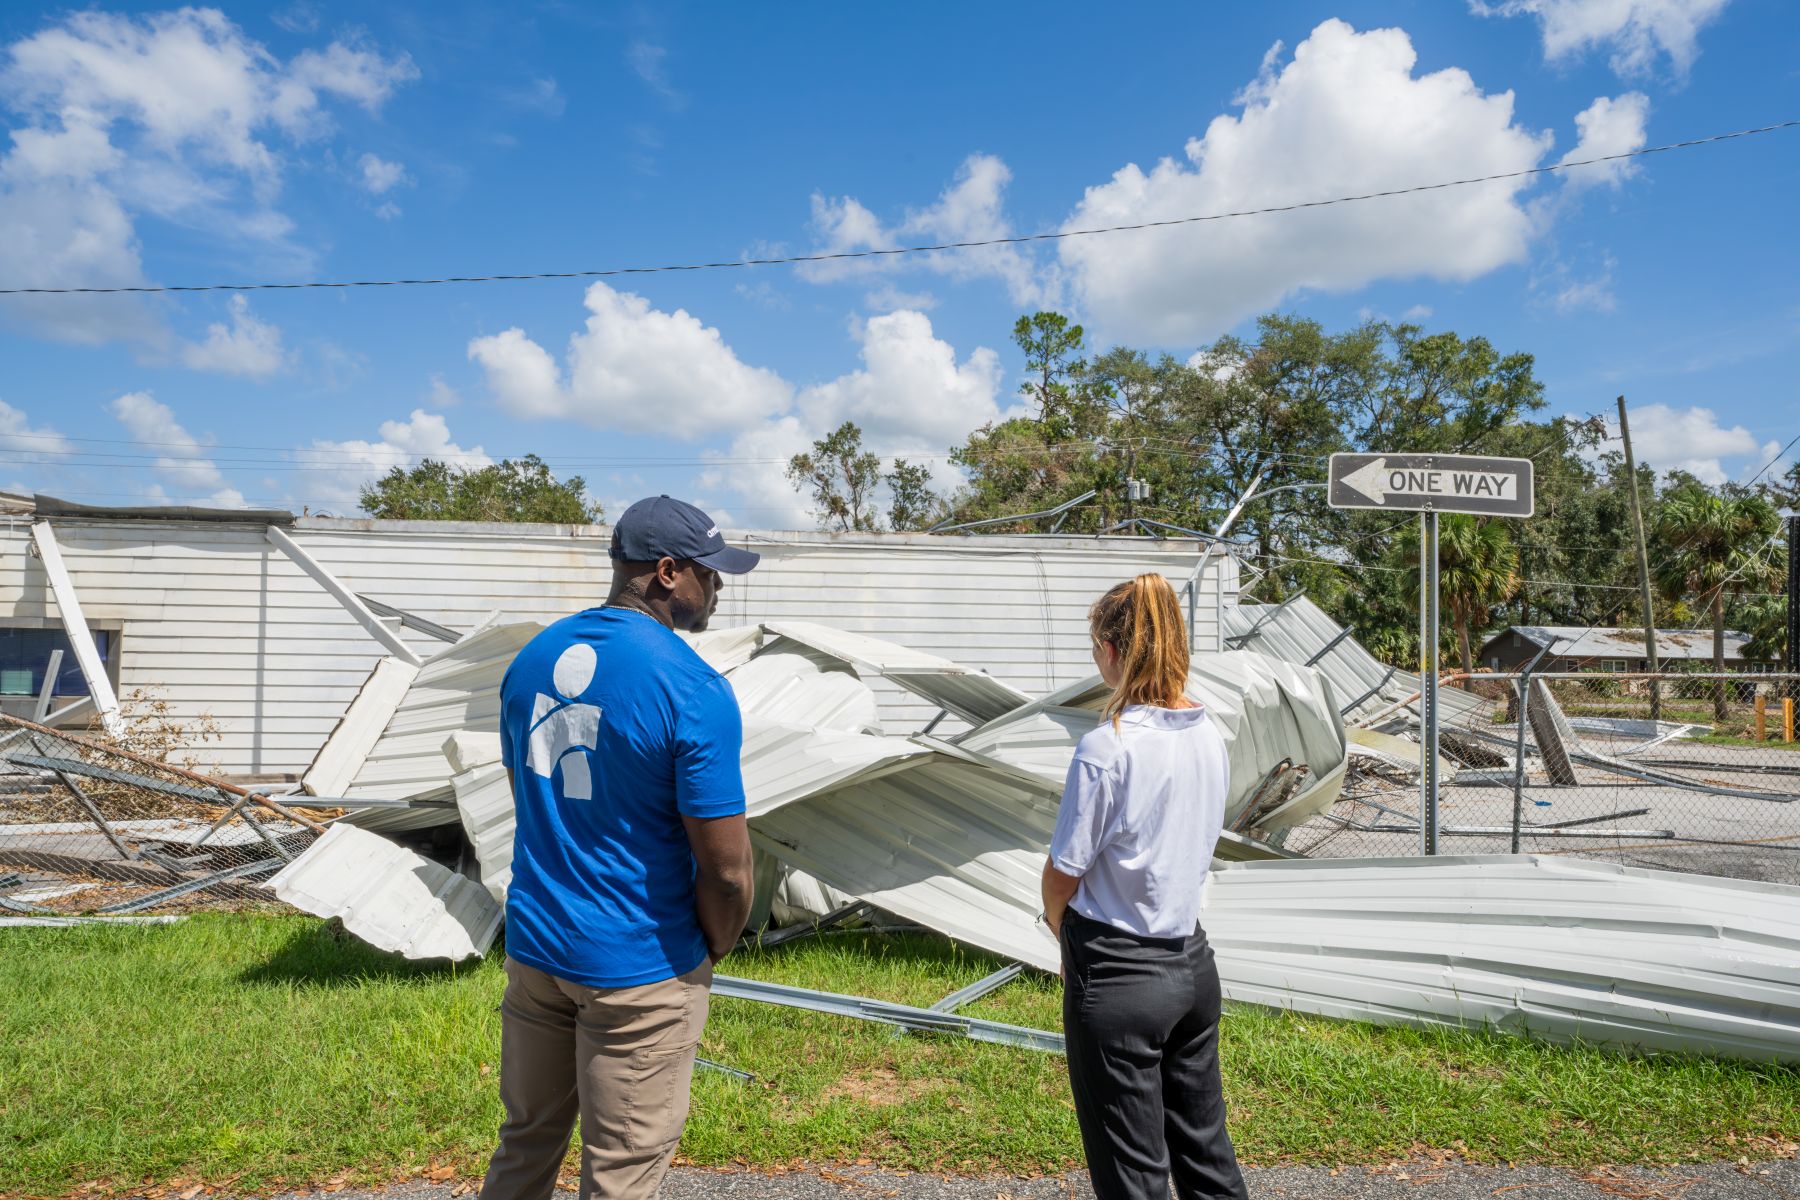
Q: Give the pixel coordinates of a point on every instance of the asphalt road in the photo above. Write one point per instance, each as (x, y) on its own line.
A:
(1449, 1181)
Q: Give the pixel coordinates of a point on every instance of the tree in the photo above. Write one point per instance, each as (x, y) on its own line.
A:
(842, 477)
(1478, 570)
(1783, 491)
(1714, 547)
(520, 489)
(912, 505)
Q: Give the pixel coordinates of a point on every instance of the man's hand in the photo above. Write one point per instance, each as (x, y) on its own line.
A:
(722, 881)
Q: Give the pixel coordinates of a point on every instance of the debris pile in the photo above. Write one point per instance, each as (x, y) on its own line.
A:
(947, 832)
(91, 829)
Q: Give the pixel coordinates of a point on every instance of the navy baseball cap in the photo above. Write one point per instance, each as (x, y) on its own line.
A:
(660, 527)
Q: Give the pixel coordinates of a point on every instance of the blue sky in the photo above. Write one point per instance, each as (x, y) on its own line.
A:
(327, 141)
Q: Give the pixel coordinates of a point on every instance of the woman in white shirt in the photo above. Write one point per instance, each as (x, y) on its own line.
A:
(1141, 813)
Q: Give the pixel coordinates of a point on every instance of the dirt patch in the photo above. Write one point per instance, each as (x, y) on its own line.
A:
(879, 1088)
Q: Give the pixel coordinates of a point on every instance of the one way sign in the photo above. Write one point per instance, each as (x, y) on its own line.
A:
(1456, 483)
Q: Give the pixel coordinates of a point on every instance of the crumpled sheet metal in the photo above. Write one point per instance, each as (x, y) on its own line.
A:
(1302, 633)
(390, 897)
(970, 694)
(1267, 710)
(933, 833)
(456, 690)
(1555, 948)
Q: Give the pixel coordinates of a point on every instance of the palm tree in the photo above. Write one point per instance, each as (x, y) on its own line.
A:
(1714, 547)
(1478, 570)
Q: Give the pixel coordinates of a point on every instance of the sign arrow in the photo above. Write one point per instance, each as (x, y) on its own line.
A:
(1370, 480)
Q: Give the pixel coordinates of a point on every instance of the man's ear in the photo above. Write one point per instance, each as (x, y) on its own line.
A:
(666, 570)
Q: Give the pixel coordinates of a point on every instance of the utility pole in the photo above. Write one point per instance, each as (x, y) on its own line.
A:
(1643, 564)
(1793, 622)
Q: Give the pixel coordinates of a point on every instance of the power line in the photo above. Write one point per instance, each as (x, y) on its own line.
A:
(894, 251)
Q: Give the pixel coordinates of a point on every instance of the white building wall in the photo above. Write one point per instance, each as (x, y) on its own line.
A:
(215, 620)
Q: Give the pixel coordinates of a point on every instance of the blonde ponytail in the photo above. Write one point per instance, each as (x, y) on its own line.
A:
(1142, 618)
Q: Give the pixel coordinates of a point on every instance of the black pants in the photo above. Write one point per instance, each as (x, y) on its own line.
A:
(1142, 1020)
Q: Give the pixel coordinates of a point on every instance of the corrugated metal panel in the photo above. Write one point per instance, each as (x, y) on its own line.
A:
(969, 694)
(797, 689)
(1557, 948)
(1672, 645)
(1267, 710)
(484, 803)
(457, 689)
(218, 622)
(390, 897)
(1299, 631)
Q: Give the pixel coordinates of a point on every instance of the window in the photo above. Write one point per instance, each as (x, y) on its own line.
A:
(25, 654)
(1612, 664)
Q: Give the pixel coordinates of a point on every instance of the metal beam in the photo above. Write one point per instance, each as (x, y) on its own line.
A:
(67, 710)
(87, 805)
(72, 766)
(905, 1016)
(979, 988)
(1237, 640)
(1328, 647)
(428, 628)
(1058, 511)
(377, 628)
(47, 693)
(68, 606)
(263, 867)
(837, 916)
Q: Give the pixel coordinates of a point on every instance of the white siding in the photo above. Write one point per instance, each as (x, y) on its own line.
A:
(216, 620)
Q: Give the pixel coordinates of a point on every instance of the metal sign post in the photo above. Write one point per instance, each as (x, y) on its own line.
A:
(1430, 484)
(1428, 681)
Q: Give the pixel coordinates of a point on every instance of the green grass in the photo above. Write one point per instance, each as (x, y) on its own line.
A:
(252, 1050)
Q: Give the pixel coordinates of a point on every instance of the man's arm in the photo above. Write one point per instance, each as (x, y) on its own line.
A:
(1058, 890)
(722, 882)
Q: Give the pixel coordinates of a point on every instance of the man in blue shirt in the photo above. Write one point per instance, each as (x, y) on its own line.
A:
(631, 864)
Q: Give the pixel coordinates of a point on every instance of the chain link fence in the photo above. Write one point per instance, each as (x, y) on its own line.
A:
(89, 827)
(1711, 787)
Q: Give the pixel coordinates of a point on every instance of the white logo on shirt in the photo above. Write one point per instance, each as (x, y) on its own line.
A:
(563, 732)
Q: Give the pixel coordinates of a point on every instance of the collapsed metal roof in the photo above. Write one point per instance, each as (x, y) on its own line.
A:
(1298, 631)
(950, 833)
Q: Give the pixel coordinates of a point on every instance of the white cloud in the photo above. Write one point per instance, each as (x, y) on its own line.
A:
(300, 17)
(1346, 115)
(179, 116)
(649, 62)
(753, 471)
(1567, 292)
(1636, 31)
(910, 398)
(887, 298)
(633, 368)
(1418, 312)
(379, 175)
(18, 434)
(1693, 440)
(247, 346)
(541, 95)
(910, 393)
(347, 466)
(183, 459)
(1607, 126)
(442, 394)
(971, 209)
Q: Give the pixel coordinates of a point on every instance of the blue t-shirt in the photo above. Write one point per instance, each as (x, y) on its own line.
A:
(614, 729)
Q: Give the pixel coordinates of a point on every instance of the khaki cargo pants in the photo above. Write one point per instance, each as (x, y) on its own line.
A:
(621, 1057)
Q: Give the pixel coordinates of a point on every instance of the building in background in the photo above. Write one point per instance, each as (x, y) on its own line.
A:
(1581, 649)
(206, 611)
